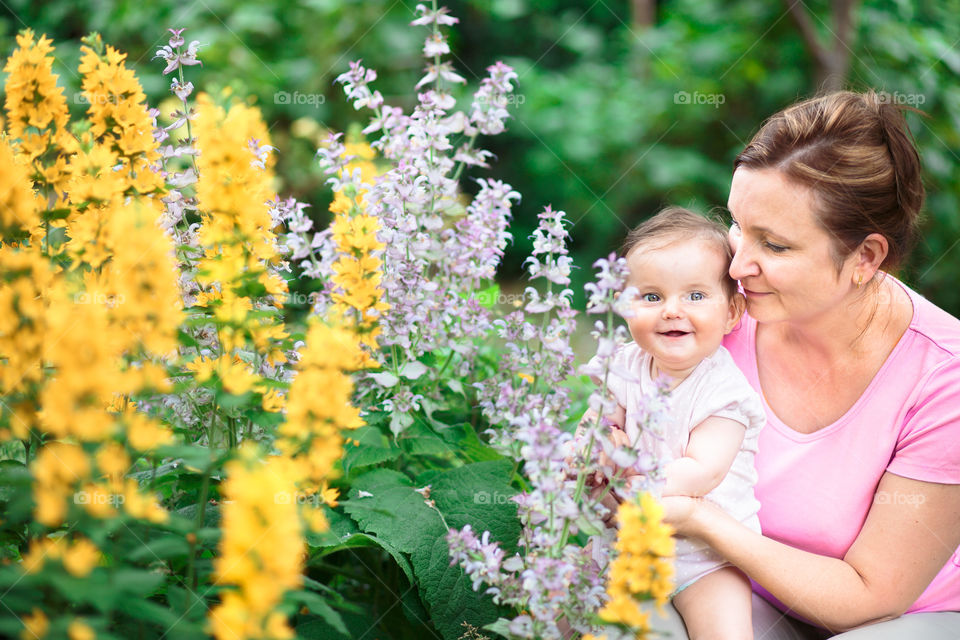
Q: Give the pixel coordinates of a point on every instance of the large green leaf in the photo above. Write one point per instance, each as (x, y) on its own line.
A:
(448, 593)
(392, 510)
(318, 606)
(374, 448)
(479, 494)
(420, 440)
(476, 494)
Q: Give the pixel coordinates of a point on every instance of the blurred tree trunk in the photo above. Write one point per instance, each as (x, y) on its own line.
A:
(643, 13)
(832, 58)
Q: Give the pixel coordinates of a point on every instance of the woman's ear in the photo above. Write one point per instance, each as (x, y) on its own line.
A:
(738, 303)
(869, 256)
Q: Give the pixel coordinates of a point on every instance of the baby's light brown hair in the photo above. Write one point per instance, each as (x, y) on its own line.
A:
(674, 224)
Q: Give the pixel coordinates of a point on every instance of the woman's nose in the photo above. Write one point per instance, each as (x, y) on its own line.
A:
(743, 265)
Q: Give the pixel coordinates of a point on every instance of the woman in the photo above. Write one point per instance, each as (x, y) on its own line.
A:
(859, 462)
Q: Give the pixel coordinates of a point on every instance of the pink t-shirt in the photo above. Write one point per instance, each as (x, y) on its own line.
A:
(815, 489)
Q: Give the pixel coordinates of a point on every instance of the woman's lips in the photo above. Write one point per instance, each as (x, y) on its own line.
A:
(755, 294)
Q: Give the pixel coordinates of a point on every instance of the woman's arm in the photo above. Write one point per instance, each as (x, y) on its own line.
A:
(713, 445)
(905, 541)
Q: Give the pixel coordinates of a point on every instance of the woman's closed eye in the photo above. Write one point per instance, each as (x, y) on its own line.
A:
(776, 248)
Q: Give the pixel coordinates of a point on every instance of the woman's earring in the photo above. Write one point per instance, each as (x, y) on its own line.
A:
(859, 280)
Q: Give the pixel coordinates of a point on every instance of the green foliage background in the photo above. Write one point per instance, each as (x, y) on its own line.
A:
(599, 132)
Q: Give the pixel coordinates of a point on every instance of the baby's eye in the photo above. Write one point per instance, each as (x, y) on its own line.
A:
(697, 296)
(650, 297)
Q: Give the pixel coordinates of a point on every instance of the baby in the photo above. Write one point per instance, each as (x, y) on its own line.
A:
(686, 304)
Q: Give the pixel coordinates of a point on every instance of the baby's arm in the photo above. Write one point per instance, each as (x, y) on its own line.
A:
(617, 417)
(713, 445)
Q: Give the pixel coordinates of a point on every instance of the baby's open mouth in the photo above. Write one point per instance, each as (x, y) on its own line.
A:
(674, 334)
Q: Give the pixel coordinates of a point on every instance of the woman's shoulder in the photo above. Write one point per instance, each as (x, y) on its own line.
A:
(936, 327)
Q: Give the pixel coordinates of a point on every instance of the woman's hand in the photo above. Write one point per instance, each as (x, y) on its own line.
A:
(682, 513)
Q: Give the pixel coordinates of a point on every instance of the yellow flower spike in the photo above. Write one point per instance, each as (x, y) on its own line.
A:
(79, 630)
(81, 557)
(38, 552)
(18, 207)
(99, 499)
(141, 505)
(35, 625)
(145, 433)
(112, 460)
(119, 116)
(261, 551)
(641, 569)
(33, 98)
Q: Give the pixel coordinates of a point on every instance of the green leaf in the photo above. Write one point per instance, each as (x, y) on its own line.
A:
(413, 609)
(374, 448)
(135, 581)
(479, 494)
(385, 379)
(340, 528)
(211, 514)
(413, 370)
(465, 441)
(164, 548)
(14, 477)
(394, 512)
(318, 606)
(189, 604)
(399, 422)
(500, 627)
(150, 611)
(448, 593)
(420, 440)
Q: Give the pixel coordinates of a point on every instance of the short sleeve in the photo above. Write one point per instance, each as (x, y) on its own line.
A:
(928, 448)
(622, 371)
(727, 394)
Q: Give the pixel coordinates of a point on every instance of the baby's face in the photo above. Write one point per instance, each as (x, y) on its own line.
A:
(681, 312)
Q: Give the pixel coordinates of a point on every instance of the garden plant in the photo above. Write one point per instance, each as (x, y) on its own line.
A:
(186, 455)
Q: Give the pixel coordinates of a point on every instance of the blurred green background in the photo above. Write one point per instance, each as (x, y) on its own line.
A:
(622, 106)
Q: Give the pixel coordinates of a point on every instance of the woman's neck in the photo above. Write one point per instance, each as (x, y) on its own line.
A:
(853, 326)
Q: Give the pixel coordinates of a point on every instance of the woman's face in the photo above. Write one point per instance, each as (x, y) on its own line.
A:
(781, 254)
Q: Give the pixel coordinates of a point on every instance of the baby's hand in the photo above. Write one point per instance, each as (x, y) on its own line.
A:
(618, 417)
(618, 438)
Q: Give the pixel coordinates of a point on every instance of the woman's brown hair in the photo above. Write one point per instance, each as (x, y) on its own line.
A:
(856, 154)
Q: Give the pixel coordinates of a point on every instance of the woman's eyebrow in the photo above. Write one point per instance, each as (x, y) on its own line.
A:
(755, 227)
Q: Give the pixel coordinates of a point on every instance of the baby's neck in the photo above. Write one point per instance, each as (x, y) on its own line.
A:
(673, 376)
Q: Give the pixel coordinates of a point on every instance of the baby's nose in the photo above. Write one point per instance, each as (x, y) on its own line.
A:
(672, 308)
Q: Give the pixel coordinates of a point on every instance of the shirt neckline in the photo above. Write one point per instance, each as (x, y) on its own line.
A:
(785, 429)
